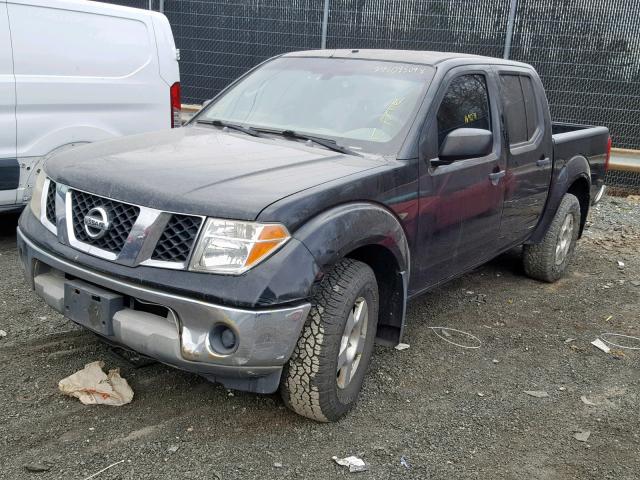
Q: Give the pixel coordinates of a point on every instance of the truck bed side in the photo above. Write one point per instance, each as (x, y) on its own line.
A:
(571, 140)
(578, 151)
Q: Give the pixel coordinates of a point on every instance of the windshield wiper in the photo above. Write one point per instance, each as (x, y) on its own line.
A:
(231, 126)
(325, 142)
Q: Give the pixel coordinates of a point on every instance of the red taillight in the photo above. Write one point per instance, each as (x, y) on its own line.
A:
(608, 157)
(176, 106)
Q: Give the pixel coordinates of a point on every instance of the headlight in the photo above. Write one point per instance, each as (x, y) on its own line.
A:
(233, 247)
(36, 194)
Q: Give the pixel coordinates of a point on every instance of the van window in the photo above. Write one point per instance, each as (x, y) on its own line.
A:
(465, 105)
(56, 42)
(520, 106)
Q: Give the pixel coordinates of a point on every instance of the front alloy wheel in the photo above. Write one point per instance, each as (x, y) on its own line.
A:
(353, 342)
(324, 376)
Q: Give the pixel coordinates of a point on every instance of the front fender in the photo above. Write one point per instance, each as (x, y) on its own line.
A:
(331, 235)
(341, 231)
(567, 173)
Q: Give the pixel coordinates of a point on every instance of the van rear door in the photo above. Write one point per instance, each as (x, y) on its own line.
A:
(9, 167)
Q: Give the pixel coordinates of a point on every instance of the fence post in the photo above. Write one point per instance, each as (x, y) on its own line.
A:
(512, 19)
(325, 24)
(150, 5)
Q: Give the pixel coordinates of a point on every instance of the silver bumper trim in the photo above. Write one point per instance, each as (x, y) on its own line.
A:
(266, 338)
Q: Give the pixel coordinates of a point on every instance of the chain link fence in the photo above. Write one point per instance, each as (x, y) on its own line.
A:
(586, 51)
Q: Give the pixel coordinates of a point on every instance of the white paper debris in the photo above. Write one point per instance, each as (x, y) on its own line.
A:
(3, 334)
(92, 386)
(355, 464)
(537, 393)
(402, 346)
(582, 436)
(586, 401)
(620, 264)
(601, 345)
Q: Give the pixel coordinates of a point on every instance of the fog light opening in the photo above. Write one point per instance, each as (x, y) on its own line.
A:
(223, 340)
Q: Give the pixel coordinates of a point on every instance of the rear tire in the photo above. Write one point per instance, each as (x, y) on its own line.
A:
(549, 259)
(324, 376)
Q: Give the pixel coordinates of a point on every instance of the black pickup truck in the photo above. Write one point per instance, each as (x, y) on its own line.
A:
(274, 238)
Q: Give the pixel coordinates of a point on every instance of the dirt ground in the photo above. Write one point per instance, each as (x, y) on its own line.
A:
(449, 412)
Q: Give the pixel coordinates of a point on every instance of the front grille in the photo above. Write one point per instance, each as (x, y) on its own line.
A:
(122, 216)
(51, 203)
(177, 239)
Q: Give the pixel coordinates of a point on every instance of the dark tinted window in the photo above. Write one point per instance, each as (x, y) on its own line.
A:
(514, 110)
(465, 105)
(530, 105)
(520, 106)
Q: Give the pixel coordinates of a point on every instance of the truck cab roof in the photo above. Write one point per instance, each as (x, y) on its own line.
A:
(407, 56)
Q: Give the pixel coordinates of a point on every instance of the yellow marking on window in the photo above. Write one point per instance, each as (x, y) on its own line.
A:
(470, 117)
(385, 118)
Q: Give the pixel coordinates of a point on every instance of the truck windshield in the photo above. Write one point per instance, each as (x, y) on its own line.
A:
(361, 104)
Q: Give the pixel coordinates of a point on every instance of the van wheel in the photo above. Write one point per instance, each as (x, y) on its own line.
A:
(548, 260)
(324, 376)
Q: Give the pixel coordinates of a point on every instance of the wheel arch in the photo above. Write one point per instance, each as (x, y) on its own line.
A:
(581, 188)
(572, 177)
(372, 234)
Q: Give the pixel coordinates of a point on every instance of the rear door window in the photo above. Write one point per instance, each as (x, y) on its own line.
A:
(465, 105)
(520, 107)
(530, 105)
(515, 113)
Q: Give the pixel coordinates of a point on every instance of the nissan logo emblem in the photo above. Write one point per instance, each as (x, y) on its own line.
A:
(96, 223)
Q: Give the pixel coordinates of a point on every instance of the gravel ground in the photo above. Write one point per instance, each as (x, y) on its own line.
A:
(449, 412)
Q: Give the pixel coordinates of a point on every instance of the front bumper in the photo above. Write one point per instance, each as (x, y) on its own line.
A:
(265, 337)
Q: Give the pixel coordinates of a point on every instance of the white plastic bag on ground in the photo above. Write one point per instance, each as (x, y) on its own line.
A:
(355, 464)
(92, 386)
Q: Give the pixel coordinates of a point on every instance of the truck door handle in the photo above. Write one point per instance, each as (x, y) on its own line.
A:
(495, 177)
(544, 162)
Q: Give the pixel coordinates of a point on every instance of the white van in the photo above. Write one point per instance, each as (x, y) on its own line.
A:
(73, 71)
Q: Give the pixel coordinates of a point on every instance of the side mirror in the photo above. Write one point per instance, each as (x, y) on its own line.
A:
(207, 102)
(464, 143)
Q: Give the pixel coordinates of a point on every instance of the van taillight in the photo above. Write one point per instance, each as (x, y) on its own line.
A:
(175, 105)
(608, 156)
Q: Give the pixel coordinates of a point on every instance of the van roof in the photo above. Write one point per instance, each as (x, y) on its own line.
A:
(408, 56)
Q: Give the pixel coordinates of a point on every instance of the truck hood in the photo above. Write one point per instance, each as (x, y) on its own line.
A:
(201, 170)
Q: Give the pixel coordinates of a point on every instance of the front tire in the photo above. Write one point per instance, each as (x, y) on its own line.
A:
(549, 259)
(324, 376)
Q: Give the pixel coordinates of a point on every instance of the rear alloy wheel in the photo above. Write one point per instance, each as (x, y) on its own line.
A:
(324, 376)
(549, 259)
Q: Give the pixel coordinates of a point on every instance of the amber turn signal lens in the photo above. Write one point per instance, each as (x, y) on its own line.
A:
(270, 238)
